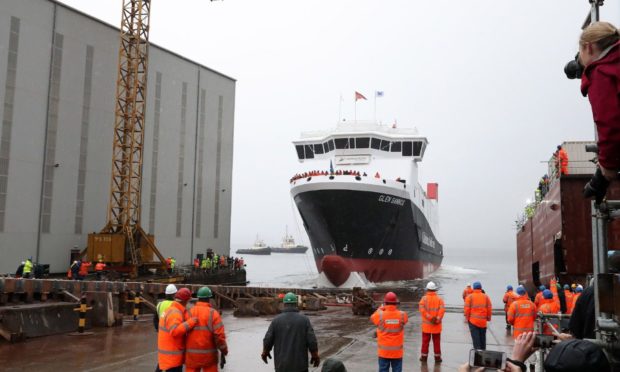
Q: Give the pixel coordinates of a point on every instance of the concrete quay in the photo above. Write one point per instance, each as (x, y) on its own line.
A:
(341, 335)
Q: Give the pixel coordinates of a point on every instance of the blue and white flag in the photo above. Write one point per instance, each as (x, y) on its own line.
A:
(379, 93)
(331, 170)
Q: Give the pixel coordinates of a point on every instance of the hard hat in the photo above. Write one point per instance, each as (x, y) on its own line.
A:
(509, 287)
(171, 289)
(579, 288)
(183, 294)
(547, 294)
(520, 290)
(573, 286)
(205, 292)
(477, 285)
(566, 287)
(23, 262)
(390, 298)
(290, 298)
(542, 288)
(469, 284)
(430, 286)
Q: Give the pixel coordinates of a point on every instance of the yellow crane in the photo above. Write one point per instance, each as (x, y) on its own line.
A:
(122, 242)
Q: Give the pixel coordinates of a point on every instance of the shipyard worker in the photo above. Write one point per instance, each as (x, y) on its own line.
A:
(173, 327)
(99, 268)
(162, 306)
(478, 311)
(207, 337)
(291, 336)
(599, 52)
(568, 297)
(539, 296)
(432, 310)
(548, 306)
(20, 270)
(562, 161)
(83, 272)
(390, 324)
(203, 264)
(582, 323)
(173, 263)
(75, 268)
(509, 297)
(27, 268)
(522, 313)
(467, 291)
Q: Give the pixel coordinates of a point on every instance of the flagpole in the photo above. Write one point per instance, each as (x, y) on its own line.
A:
(340, 108)
(355, 110)
(375, 106)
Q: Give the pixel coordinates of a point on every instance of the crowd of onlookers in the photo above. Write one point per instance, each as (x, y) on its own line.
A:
(215, 262)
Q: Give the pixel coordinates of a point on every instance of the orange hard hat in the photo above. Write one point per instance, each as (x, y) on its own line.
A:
(390, 298)
(183, 294)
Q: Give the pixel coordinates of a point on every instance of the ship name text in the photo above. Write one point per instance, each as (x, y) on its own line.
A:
(391, 200)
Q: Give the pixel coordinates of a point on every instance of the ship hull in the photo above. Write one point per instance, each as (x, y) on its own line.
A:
(380, 234)
(259, 251)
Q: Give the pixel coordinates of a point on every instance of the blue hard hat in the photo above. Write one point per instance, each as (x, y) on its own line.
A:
(520, 290)
(566, 286)
(579, 289)
(509, 287)
(547, 294)
(477, 285)
(542, 288)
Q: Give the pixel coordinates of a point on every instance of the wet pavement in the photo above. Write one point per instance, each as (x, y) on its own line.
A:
(341, 335)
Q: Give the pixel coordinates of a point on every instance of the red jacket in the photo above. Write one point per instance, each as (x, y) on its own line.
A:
(601, 83)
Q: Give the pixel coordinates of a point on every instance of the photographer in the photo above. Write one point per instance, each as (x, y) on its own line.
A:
(599, 52)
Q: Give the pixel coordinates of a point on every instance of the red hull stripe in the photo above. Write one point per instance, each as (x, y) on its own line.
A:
(385, 270)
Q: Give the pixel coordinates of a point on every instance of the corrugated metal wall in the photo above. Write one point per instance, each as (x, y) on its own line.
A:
(57, 86)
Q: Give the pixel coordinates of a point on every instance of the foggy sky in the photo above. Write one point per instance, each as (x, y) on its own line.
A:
(483, 80)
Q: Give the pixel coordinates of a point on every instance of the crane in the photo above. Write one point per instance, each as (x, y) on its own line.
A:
(123, 242)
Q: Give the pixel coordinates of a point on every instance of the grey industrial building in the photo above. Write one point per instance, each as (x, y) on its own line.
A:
(58, 70)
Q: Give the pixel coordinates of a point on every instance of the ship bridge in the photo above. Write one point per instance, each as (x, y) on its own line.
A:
(367, 138)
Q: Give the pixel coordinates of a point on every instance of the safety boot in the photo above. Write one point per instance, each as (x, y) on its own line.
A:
(423, 358)
(438, 359)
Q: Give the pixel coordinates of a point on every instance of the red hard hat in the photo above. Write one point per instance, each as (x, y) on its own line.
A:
(390, 298)
(183, 294)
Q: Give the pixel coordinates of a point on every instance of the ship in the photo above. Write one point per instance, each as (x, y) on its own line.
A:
(259, 248)
(288, 245)
(361, 205)
(554, 235)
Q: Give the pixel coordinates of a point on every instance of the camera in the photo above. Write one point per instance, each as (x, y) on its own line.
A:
(543, 341)
(574, 68)
(487, 359)
(596, 187)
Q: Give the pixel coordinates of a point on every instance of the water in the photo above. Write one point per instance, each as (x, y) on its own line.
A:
(494, 269)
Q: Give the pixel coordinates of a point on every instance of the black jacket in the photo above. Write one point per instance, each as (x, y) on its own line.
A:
(292, 336)
(582, 319)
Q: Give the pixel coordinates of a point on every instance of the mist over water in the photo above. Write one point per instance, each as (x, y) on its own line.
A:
(493, 268)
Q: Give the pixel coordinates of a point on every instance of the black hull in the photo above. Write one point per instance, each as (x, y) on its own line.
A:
(261, 251)
(299, 250)
(385, 236)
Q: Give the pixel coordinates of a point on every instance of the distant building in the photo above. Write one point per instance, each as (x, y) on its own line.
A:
(58, 71)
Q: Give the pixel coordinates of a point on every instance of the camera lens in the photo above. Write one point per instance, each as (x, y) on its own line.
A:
(573, 70)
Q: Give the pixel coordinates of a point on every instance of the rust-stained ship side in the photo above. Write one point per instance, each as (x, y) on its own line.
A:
(557, 239)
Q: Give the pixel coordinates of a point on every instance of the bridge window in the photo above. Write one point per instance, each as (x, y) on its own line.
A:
(362, 143)
(318, 148)
(351, 143)
(396, 146)
(309, 151)
(331, 145)
(342, 143)
(300, 151)
(375, 143)
(385, 145)
(417, 148)
(407, 149)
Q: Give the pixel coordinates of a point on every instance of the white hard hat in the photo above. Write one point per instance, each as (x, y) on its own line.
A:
(469, 284)
(171, 289)
(578, 286)
(431, 286)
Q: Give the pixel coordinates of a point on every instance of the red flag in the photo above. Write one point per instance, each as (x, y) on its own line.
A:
(359, 96)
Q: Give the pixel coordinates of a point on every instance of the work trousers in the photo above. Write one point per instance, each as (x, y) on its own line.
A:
(385, 363)
(174, 369)
(212, 368)
(478, 337)
(426, 339)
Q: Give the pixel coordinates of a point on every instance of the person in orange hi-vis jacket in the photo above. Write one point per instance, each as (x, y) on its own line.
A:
(432, 310)
(539, 296)
(467, 291)
(390, 324)
(173, 327)
(522, 313)
(509, 297)
(568, 295)
(478, 311)
(562, 160)
(207, 338)
(548, 306)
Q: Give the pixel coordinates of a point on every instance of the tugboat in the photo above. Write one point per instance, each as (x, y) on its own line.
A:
(259, 248)
(362, 206)
(288, 245)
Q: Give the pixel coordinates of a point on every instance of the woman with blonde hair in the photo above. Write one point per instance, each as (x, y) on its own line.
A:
(599, 53)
